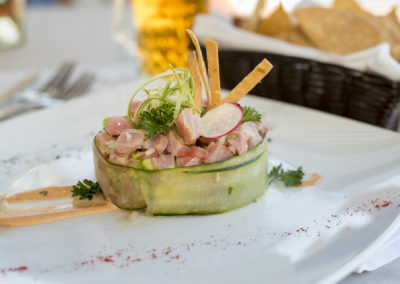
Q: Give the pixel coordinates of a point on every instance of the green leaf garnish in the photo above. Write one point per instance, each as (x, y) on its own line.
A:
(250, 114)
(44, 192)
(159, 110)
(288, 177)
(203, 110)
(86, 189)
(157, 120)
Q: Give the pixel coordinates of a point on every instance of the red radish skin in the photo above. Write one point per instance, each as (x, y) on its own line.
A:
(221, 120)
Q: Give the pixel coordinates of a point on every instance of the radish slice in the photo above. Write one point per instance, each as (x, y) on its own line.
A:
(221, 120)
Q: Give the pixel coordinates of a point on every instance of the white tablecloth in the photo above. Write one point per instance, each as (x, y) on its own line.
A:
(83, 33)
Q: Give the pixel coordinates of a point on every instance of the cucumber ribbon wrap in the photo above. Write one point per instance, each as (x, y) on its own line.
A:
(204, 189)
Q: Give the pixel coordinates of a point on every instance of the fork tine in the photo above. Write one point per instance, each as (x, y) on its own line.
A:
(57, 82)
(56, 75)
(81, 85)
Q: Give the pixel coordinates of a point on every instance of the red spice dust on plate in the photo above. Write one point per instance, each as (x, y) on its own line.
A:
(126, 257)
(13, 269)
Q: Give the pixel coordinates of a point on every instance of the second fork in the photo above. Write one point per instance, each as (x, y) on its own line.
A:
(54, 92)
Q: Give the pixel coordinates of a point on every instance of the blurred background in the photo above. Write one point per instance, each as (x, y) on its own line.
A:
(94, 38)
(81, 29)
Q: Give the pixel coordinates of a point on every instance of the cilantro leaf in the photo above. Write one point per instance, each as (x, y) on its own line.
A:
(157, 120)
(86, 189)
(250, 114)
(288, 177)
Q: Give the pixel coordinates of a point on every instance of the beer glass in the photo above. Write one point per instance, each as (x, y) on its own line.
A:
(161, 31)
(11, 23)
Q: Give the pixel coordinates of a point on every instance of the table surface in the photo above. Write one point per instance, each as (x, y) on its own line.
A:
(82, 33)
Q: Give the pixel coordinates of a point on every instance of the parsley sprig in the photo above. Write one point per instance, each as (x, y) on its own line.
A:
(157, 120)
(86, 189)
(250, 114)
(288, 177)
(159, 110)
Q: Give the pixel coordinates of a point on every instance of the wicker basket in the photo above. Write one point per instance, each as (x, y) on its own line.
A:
(354, 94)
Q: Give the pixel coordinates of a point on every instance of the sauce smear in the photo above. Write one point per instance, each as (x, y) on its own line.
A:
(47, 193)
(45, 214)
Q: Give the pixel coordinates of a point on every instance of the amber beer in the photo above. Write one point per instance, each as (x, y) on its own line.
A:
(161, 31)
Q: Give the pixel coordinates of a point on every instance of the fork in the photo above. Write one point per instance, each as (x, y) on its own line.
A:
(53, 92)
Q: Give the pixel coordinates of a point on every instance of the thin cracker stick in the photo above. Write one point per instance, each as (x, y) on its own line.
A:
(213, 71)
(195, 72)
(203, 71)
(249, 81)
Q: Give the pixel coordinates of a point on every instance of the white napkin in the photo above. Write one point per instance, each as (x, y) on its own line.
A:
(375, 59)
(387, 253)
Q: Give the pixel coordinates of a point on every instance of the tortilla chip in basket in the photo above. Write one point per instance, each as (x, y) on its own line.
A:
(337, 30)
(350, 6)
(254, 21)
(278, 23)
(392, 17)
(296, 36)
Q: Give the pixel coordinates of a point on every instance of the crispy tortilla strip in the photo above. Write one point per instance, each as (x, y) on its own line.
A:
(277, 23)
(254, 21)
(249, 81)
(213, 71)
(202, 65)
(195, 72)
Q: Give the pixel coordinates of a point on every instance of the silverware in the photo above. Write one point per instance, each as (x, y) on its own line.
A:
(81, 85)
(54, 92)
(56, 85)
(7, 94)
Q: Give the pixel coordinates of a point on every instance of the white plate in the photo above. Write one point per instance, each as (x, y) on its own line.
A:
(304, 235)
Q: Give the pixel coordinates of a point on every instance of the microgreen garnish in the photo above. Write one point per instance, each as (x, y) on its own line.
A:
(43, 192)
(250, 114)
(159, 110)
(231, 136)
(86, 189)
(288, 177)
(105, 122)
